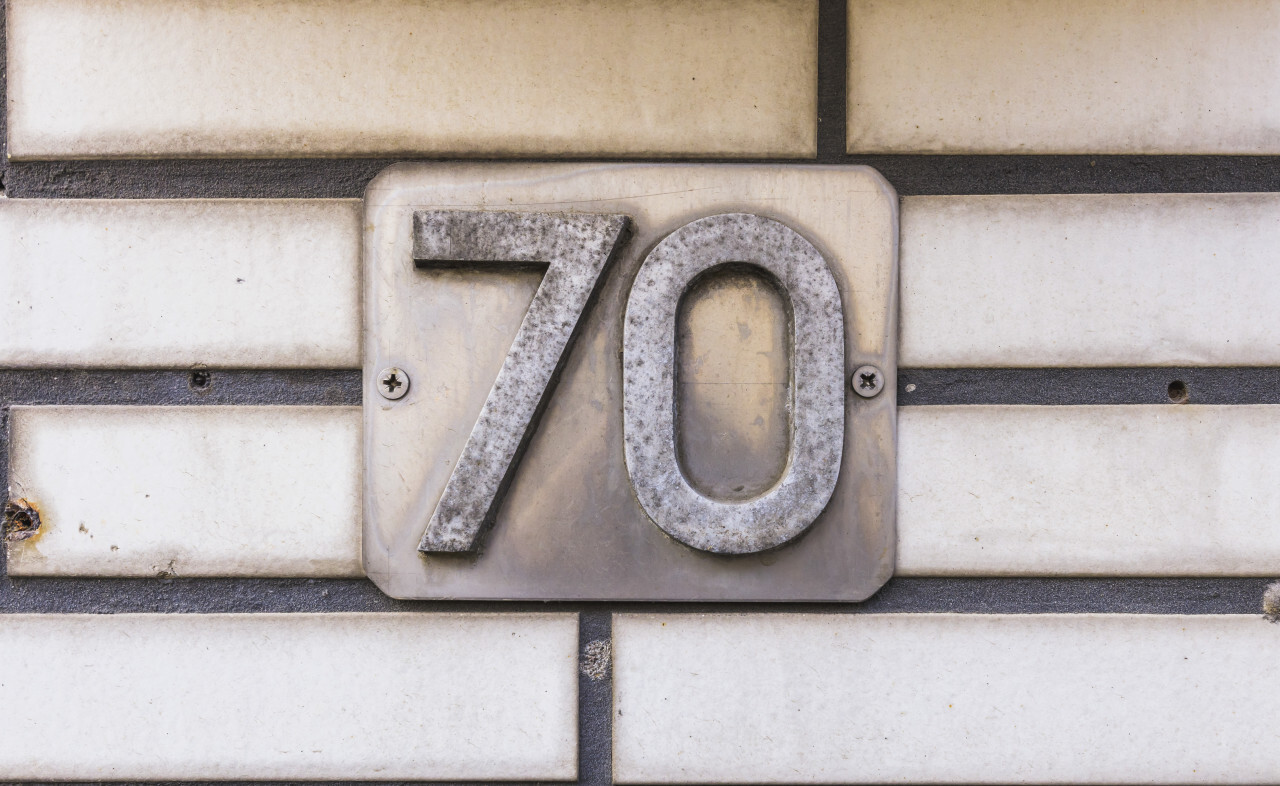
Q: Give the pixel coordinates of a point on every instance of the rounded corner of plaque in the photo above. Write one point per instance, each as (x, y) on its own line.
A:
(389, 178)
(886, 188)
(382, 580)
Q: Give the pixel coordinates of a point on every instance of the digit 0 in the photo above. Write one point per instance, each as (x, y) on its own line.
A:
(578, 250)
(817, 384)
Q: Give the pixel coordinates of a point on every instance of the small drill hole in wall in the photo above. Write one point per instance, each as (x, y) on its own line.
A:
(200, 379)
(1178, 393)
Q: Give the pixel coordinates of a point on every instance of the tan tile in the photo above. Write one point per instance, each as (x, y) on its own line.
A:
(172, 283)
(944, 698)
(188, 491)
(379, 696)
(1090, 280)
(1172, 490)
(1064, 76)
(89, 78)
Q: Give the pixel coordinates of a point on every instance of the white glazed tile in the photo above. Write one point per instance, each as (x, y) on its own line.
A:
(1089, 490)
(1090, 280)
(95, 78)
(289, 697)
(156, 283)
(188, 491)
(942, 698)
(1064, 76)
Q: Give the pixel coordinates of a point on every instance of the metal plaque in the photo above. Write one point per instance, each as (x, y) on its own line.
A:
(630, 382)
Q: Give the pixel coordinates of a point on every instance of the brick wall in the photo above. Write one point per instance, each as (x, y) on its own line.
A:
(1088, 436)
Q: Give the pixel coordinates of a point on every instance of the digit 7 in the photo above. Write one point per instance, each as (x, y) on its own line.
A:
(577, 250)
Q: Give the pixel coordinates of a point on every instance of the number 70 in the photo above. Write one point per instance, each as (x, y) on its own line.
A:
(578, 250)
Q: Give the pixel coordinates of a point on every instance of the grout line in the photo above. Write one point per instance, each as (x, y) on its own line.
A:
(932, 386)
(1077, 386)
(958, 175)
(283, 783)
(833, 34)
(595, 697)
(911, 175)
(336, 387)
(4, 486)
(4, 97)
(914, 595)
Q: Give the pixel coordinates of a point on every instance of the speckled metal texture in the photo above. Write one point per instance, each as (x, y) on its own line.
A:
(817, 385)
(568, 525)
(577, 250)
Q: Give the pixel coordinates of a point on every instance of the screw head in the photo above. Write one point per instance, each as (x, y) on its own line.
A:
(393, 383)
(867, 381)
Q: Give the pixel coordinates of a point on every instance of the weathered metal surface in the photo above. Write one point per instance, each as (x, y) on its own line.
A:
(21, 520)
(1271, 602)
(733, 383)
(597, 657)
(393, 383)
(569, 525)
(867, 381)
(817, 380)
(577, 250)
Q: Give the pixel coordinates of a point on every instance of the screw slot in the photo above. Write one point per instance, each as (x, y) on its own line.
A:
(393, 383)
(867, 381)
(1178, 392)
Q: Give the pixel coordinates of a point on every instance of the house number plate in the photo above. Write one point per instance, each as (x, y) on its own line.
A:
(630, 382)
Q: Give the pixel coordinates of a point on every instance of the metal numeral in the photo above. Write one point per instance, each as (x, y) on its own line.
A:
(817, 385)
(577, 250)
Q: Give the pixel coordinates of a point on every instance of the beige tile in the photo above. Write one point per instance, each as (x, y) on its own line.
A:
(95, 78)
(944, 698)
(165, 283)
(1090, 280)
(289, 697)
(1064, 76)
(1089, 490)
(188, 491)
